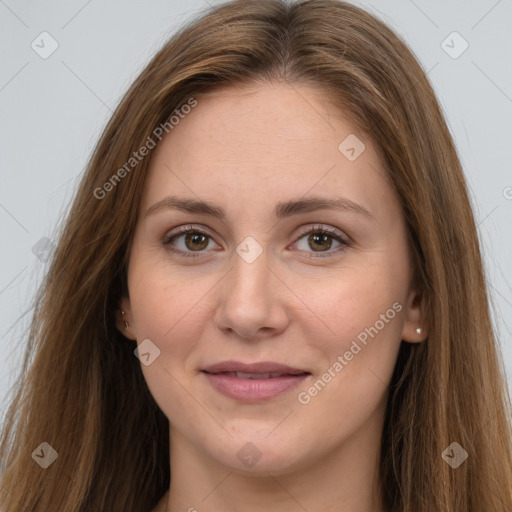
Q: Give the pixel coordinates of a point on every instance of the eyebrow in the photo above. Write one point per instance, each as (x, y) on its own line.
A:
(281, 210)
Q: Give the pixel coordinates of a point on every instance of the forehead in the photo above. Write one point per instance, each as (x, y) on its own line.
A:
(265, 142)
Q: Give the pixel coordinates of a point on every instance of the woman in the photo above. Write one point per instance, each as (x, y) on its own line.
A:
(268, 294)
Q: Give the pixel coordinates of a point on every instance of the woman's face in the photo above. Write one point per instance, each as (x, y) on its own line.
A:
(323, 314)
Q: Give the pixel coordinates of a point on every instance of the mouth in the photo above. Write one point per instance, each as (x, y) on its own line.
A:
(248, 375)
(255, 382)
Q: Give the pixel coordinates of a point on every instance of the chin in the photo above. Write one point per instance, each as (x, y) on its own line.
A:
(258, 456)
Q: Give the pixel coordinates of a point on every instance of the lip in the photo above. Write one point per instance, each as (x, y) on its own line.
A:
(259, 367)
(250, 390)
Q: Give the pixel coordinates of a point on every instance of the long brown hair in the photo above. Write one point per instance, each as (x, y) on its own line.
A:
(82, 390)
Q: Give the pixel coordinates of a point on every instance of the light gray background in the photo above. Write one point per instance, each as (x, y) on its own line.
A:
(54, 109)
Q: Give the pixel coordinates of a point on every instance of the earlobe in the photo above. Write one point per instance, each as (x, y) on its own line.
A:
(414, 324)
(123, 319)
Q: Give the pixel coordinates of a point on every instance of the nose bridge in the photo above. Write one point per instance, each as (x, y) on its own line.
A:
(248, 301)
(250, 274)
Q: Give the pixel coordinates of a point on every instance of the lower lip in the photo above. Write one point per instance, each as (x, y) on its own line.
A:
(253, 390)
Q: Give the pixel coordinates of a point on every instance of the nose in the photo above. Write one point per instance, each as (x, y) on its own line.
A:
(251, 300)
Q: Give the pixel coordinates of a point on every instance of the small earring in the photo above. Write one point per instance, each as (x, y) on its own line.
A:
(418, 330)
(124, 320)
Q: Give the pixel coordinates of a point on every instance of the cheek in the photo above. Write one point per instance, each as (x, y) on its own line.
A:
(357, 359)
(168, 310)
(164, 298)
(361, 308)
(348, 305)
(170, 307)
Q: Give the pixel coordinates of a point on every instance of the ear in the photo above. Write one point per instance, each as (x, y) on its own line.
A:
(123, 322)
(414, 318)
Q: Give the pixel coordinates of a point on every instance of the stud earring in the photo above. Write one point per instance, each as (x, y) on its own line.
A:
(124, 320)
(418, 330)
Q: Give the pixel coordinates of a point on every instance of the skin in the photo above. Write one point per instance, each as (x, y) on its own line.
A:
(247, 149)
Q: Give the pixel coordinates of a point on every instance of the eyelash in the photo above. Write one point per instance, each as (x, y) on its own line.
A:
(183, 230)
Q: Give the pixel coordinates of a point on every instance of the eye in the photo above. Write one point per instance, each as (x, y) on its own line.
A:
(319, 237)
(195, 241)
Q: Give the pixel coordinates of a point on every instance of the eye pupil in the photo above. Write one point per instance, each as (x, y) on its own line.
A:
(323, 237)
(196, 238)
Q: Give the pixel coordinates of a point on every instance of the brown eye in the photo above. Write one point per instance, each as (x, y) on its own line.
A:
(318, 239)
(187, 241)
(196, 241)
(321, 240)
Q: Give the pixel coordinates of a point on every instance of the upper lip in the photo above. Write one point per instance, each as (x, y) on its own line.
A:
(260, 367)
